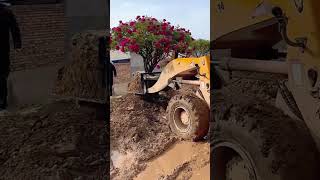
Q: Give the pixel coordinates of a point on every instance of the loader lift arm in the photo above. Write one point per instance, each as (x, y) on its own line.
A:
(182, 67)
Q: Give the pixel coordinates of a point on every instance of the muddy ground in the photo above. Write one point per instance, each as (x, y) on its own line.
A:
(141, 138)
(53, 141)
(184, 160)
(142, 144)
(60, 140)
(138, 127)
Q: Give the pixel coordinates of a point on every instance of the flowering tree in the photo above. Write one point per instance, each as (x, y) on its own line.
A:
(154, 40)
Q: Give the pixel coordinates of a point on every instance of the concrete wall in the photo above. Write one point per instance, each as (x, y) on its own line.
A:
(136, 63)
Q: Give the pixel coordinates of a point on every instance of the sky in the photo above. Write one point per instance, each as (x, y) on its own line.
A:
(190, 14)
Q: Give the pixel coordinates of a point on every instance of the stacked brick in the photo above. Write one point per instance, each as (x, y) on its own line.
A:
(43, 28)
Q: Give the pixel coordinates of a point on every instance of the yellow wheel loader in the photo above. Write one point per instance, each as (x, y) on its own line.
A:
(267, 141)
(187, 113)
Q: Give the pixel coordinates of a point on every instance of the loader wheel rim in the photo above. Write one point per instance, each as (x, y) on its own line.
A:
(184, 117)
(181, 119)
(225, 170)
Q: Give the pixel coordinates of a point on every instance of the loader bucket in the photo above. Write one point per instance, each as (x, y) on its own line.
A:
(147, 81)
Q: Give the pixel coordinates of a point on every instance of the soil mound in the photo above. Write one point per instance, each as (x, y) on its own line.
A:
(135, 85)
(53, 141)
(83, 77)
(139, 126)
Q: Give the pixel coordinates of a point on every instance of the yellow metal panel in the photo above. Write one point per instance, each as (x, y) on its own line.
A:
(237, 14)
(305, 24)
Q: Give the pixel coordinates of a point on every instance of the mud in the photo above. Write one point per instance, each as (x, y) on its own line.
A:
(244, 89)
(184, 160)
(138, 127)
(53, 141)
(140, 135)
(135, 85)
(248, 88)
(142, 144)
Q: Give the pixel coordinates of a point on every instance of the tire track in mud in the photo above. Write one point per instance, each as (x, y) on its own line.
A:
(184, 160)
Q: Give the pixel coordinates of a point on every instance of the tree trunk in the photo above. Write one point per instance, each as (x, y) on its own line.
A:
(148, 65)
(176, 54)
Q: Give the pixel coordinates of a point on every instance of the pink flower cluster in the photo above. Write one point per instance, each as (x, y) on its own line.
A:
(130, 36)
(128, 44)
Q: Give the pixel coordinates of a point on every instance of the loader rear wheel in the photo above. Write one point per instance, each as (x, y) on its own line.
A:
(188, 116)
(257, 142)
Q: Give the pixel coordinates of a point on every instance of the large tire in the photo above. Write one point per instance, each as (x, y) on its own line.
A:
(260, 139)
(196, 110)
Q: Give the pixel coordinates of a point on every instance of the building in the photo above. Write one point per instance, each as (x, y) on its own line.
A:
(119, 57)
(47, 27)
(121, 62)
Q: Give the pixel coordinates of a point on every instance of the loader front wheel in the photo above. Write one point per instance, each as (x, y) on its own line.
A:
(188, 117)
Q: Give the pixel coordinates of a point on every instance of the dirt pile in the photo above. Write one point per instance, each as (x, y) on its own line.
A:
(238, 88)
(135, 85)
(138, 127)
(243, 89)
(54, 141)
(83, 77)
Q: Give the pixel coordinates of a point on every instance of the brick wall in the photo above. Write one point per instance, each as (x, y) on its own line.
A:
(123, 73)
(43, 29)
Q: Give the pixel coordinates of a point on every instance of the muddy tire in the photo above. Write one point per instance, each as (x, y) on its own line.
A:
(258, 142)
(188, 117)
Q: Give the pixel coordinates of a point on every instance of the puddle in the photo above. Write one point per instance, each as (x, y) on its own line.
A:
(195, 153)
